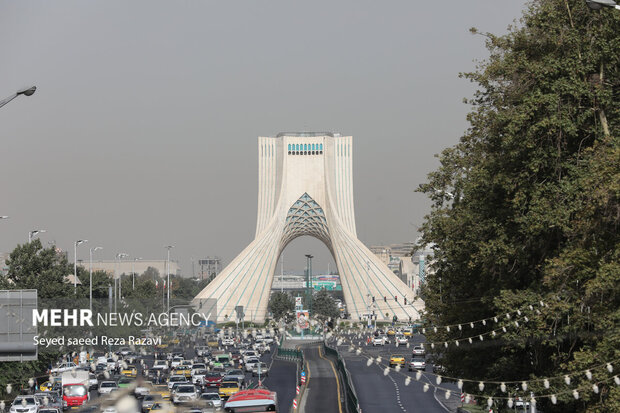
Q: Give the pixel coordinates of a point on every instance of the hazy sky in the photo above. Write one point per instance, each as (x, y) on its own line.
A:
(143, 130)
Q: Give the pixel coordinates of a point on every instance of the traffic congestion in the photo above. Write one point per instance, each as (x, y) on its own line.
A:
(220, 371)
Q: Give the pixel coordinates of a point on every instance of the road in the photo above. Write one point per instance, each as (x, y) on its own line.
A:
(322, 386)
(389, 394)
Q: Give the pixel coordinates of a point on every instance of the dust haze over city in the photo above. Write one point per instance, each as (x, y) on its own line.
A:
(143, 130)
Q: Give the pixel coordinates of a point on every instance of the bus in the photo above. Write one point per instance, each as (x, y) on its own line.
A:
(252, 401)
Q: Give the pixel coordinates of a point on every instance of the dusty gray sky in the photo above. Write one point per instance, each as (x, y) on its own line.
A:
(143, 131)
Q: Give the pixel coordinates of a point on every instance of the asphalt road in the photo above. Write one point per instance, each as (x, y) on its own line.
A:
(388, 393)
(322, 387)
(282, 380)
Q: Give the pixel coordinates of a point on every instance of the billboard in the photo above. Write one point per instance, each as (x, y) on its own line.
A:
(17, 331)
(303, 319)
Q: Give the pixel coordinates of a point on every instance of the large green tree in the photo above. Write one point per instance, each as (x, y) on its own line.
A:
(525, 208)
(324, 305)
(281, 305)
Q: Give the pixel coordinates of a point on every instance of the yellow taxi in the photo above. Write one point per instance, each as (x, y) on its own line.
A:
(182, 371)
(397, 360)
(175, 340)
(408, 332)
(130, 371)
(391, 332)
(228, 388)
(162, 345)
(47, 386)
(162, 390)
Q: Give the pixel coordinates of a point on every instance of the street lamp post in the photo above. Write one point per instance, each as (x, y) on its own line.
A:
(75, 245)
(25, 92)
(33, 233)
(90, 271)
(117, 291)
(309, 281)
(133, 273)
(168, 247)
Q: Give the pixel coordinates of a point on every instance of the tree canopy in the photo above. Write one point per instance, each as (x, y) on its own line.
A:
(525, 208)
(281, 305)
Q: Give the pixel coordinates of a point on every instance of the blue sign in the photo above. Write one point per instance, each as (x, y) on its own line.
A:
(303, 373)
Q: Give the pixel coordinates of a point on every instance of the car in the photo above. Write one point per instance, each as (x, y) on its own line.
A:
(149, 400)
(214, 398)
(408, 332)
(401, 340)
(176, 379)
(197, 366)
(93, 383)
(106, 387)
(25, 404)
(130, 371)
(391, 332)
(417, 363)
(182, 371)
(249, 354)
(176, 361)
(418, 351)
(163, 406)
(236, 374)
(111, 364)
(378, 341)
(161, 390)
(49, 410)
(61, 368)
(228, 341)
(160, 365)
(268, 339)
(212, 379)
(124, 351)
(184, 393)
(142, 389)
(397, 360)
(124, 382)
(228, 388)
(250, 363)
(46, 386)
(49, 399)
(202, 351)
(264, 370)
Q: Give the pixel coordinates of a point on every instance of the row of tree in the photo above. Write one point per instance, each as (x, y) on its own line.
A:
(282, 306)
(526, 207)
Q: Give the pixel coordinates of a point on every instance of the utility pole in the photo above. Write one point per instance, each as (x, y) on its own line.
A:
(309, 282)
(168, 247)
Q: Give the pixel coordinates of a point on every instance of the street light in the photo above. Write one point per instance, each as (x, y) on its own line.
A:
(90, 270)
(117, 290)
(168, 247)
(133, 273)
(309, 281)
(75, 245)
(599, 4)
(33, 233)
(26, 92)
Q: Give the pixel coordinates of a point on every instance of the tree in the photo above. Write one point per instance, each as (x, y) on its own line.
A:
(525, 208)
(281, 305)
(323, 305)
(30, 266)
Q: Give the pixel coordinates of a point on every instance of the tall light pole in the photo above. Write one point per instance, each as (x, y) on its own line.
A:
(26, 92)
(309, 281)
(90, 271)
(117, 291)
(133, 273)
(33, 233)
(168, 247)
(75, 245)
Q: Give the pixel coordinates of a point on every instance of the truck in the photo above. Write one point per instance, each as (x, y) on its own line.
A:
(75, 386)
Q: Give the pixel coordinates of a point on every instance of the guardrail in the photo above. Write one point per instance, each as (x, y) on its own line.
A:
(351, 400)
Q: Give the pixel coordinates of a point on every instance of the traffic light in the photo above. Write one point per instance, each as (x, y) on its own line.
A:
(373, 299)
(405, 300)
(385, 298)
(396, 298)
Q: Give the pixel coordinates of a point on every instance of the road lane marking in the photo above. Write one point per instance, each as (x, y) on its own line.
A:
(336, 376)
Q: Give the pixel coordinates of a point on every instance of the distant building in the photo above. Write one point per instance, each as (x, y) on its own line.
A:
(209, 267)
(127, 266)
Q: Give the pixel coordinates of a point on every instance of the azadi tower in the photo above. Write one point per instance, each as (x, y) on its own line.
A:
(305, 183)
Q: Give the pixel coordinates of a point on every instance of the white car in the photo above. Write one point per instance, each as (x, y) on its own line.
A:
(92, 381)
(213, 398)
(268, 339)
(64, 367)
(197, 366)
(102, 361)
(228, 341)
(250, 363)
(198, 376)
(184, 393)
(418, 351)
(249, 354)
(378, 341)
(160, 365)
(417, 363)
(106, 387)
(176, 378)
(401, 340)
(31, 405)
(176, 362)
